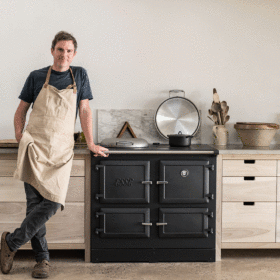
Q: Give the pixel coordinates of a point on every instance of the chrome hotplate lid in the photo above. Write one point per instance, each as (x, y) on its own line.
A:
(124, 143)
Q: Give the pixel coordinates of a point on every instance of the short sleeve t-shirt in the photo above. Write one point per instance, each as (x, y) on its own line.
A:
(60, 80)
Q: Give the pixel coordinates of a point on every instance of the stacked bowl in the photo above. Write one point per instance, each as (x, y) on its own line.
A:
(256, 134)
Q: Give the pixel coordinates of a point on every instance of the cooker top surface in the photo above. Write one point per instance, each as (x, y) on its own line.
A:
(167, 148)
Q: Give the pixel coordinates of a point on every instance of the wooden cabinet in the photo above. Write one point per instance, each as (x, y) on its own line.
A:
(67, 229)
(250, 200)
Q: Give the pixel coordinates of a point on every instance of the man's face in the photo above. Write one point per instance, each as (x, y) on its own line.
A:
(63, 54)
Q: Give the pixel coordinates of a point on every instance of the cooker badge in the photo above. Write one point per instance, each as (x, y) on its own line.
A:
(185, 173)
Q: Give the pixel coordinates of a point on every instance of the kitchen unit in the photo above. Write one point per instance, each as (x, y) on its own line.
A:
(250, 200)
(154, 204)
(247, 204)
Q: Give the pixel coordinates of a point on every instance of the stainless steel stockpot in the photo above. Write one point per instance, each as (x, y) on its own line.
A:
(177, 114)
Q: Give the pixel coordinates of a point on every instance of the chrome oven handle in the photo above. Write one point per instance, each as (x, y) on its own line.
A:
(161, 224)
(161, 182)
(147, 224)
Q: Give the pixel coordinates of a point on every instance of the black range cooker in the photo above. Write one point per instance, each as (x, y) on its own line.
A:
(154, 204)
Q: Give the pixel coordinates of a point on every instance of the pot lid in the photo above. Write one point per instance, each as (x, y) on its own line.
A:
(124, 143)
(177, 114)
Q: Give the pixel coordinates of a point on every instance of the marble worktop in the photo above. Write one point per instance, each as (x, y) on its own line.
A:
(238, 149)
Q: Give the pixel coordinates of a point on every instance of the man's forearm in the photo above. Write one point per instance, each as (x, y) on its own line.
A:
(86, 123)
(19, 122)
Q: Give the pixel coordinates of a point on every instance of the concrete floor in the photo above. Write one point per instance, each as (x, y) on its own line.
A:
(235, 264)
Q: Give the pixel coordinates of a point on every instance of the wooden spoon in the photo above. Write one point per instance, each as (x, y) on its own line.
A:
(226, 119)
(216, 108)
(226, 111)
(215, 118)
(224, 105)
(216, 96)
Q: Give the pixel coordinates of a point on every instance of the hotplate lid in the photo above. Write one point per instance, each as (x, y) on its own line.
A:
(124, 142)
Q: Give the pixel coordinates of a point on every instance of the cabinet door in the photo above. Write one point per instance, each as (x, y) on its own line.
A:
(124, 182)
(184, 222)
(123, 222)
(184, 181)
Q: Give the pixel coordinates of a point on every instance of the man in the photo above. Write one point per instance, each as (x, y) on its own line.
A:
(45, 151)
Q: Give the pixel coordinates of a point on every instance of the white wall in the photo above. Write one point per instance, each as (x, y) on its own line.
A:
(136, 51)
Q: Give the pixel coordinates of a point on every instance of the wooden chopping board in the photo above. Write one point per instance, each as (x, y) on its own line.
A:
(8, 143)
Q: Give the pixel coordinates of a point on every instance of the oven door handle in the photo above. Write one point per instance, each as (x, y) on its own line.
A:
(147, 182)
(161, 224)
(147, 224)
(161, 182)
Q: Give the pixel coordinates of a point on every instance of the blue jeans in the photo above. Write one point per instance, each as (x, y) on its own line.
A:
(38, 212)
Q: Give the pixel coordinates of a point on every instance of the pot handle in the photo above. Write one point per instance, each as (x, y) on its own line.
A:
(177, 91)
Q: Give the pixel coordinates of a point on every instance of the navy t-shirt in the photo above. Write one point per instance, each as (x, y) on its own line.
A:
(60, 80)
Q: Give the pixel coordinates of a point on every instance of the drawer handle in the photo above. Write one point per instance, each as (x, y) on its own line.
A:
(249, 161)
(249, 178)
(248, 203)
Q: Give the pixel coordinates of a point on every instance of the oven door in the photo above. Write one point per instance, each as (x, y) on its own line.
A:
(123, 222)
(124, 181)
(184, 181)
(184, 222)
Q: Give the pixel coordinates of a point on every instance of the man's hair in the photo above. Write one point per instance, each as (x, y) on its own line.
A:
(64, 36)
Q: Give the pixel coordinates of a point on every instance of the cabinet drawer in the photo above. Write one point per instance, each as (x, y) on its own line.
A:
(248, 223)
(8, 167)
(60, 227)
(238, 167)
(249, 189)
(12, 190)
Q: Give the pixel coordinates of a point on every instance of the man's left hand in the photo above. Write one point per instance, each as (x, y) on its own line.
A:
(98, 150)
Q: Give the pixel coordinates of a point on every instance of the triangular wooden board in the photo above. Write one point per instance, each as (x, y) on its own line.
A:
(126, 126)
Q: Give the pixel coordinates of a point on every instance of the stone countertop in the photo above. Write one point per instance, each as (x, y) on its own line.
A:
(162, 149)
(232, 149)
(226, 150)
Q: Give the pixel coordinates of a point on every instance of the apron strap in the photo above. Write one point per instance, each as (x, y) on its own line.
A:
(70, 86)
(74, 83)
(48, 77)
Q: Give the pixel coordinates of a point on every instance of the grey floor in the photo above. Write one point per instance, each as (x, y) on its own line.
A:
(235, 264)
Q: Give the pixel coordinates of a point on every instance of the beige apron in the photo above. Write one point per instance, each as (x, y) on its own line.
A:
(45, 153)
